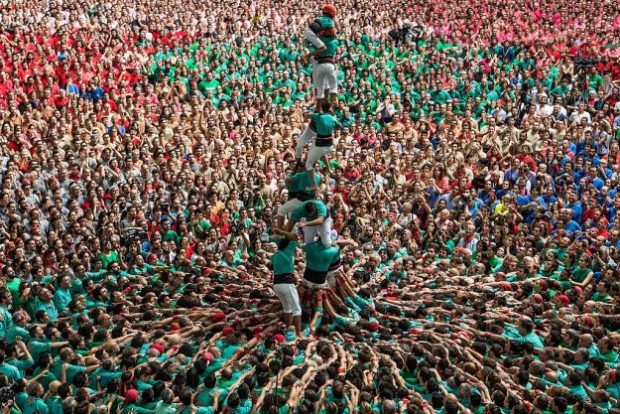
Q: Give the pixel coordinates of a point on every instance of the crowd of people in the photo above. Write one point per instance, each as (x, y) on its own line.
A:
(467, 252)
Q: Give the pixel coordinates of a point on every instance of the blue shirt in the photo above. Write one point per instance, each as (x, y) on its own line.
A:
(577, 210)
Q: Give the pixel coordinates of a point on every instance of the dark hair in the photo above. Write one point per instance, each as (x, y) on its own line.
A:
(233, 400)
(561, 403)
(185, 396)
(210, 380)
(437, 400)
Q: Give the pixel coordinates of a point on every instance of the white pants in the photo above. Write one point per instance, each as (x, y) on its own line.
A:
(324, 230)
(324, 79)
(313, 39)
(331, 277)
(289, 298)
(288, 207)
(315, 154)
(313, 285)
(306, 137)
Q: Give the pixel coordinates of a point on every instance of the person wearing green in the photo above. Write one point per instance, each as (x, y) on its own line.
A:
(323, 143)
(300, 189)
(65, 370)
(318, 260)
(62, 295)
(34, 404)
(21, 364)
(18, 330)
(607, 353)
(581, 274)
(11, 371)
(167, 233)
(313, 217)
(53, 400)
(283, 263)
(209, 391)
(108, 255)
(6, 319)
(104, 374)
(131, 405)
(320, 131)
(13, 282)
(322, 35)
(45, 303)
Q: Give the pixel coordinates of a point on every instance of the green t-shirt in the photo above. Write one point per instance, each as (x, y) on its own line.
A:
(325, 22)
(579, 275)
(325, 123)
(331, 46)
(21, 364)
(106, 259)
(35, 406)
(102, 377)
(319, 257)
(45, 380)
(54, 404)
(16, 331)
(11, 371)
(38, 348)
(283, 261)
(300, 212)
(6, 321)
(72, 370)
(300, 183)
(49, 308)
(62, 298)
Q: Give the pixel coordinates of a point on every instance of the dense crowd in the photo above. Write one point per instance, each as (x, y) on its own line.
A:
(146, 148)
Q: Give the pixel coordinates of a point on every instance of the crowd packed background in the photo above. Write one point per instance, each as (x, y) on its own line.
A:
(144, 148)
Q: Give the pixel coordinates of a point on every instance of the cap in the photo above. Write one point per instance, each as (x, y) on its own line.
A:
(564, 299)
(373, 326)
(218, 317)
(131, 395)
(174, 326)
(227, 331)
(329, 9)
(159, 347)
(207, 356)
(279, 338)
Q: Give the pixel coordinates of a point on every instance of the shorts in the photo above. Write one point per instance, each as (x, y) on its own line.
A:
(315, 154)
(324, 230)
(313, 38)
(288, 207)
(324, 79)
(289, 298)
(331, 277)
(307, 136)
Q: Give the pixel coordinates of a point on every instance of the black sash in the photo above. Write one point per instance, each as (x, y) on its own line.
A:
(283, 278)
(324, 140)
(315, 276)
